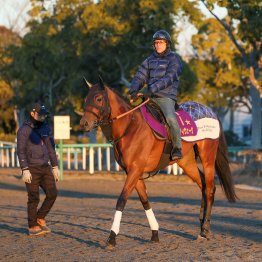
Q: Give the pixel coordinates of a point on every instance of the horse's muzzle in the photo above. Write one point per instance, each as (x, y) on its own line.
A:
(84, 124)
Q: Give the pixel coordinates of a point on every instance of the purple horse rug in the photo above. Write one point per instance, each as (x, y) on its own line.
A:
(195, 125)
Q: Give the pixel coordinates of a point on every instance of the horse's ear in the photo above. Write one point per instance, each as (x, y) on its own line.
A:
(101, 82)
(87, 83)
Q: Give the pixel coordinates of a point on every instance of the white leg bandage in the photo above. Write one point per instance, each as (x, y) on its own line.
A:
(151, 219)
(116, 223)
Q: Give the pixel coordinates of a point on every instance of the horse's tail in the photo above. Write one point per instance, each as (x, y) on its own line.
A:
(223, 169)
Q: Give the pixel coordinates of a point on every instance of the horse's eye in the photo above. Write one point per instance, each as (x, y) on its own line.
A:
(99, 99)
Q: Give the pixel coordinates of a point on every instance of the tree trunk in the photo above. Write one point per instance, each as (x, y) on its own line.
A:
(231, 119)
(256, 140)
(17, 124)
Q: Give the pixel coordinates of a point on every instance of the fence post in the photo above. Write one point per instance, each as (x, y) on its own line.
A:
(7, 157)
(175, 169)
(108, 158)
(68, 151)
(2, 154)
(75, 159)
(61, 159)
(99, 158)
(91, 160)
(13, 156)
(83, 158)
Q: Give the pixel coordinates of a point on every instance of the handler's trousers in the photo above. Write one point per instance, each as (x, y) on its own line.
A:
(41, 177)
(167, 106)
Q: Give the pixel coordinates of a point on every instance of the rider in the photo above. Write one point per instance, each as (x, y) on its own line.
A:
(161, 71)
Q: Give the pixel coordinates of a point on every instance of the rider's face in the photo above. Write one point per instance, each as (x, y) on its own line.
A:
(160, 46)
(38, 117)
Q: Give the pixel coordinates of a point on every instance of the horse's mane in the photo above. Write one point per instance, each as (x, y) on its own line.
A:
(120, 95)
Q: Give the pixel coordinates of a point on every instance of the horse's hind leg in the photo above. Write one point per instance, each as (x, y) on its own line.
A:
(189, 165)
(207, 152)
(141, 190)
(205, 210)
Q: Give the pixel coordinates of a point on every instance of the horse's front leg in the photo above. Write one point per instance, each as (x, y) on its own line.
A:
(130, 183)
(141, 190)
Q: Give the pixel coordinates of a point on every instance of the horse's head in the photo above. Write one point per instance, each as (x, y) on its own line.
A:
(97, 109)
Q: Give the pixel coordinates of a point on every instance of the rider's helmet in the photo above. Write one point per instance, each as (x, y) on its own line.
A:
(162, 34)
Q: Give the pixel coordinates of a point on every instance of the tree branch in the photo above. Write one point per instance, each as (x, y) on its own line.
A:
(230, 34)
(123, 79)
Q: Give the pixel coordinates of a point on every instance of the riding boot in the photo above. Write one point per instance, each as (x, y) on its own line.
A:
(176, 154)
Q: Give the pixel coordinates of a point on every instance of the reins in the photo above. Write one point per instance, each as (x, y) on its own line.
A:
(130, 111)
(106, 124)
(115, 141)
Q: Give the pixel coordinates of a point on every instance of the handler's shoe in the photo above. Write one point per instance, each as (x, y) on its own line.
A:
(35, 231)
(41, 222)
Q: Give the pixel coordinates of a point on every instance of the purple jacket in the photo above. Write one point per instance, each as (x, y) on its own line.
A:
(35, 146)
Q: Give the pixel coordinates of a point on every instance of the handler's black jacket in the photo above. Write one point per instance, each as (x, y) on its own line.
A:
(35, 146)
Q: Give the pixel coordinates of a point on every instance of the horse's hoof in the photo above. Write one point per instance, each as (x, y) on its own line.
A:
(111, 244)
(201, 238)
(154, 238)
(111, 241)
(110, 247)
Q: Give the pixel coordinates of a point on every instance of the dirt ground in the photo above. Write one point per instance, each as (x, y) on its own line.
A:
(82, 216)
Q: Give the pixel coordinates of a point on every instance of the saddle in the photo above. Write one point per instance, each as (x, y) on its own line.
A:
(157, 121)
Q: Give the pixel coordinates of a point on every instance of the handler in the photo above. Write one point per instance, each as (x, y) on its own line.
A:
(36, 150)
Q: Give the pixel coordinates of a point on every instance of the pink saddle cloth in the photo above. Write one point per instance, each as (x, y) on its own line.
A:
(187, 125)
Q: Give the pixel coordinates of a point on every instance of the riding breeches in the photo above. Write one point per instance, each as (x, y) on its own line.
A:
(167, 106)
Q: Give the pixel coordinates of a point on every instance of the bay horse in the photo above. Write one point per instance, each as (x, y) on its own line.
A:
(137, 150)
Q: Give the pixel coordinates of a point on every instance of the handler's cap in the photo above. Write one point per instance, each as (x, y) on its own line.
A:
(40, 109)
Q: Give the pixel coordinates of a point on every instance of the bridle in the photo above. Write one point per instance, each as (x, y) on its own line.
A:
(104, 120)
(103, 116)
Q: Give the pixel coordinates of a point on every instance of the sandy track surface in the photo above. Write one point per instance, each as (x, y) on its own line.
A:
(82, 215)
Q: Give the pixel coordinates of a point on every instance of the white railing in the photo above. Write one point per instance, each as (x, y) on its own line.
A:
(91, 157)
(8, 156)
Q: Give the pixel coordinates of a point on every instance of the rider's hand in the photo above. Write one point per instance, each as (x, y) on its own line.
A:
(26, 176)
(135, 96)
(56, 173)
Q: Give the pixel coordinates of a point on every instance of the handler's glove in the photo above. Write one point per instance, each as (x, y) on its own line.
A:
(26, 176)
(56, 173)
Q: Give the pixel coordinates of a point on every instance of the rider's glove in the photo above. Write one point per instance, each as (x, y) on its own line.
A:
(134, 96)
(26, 176)
(56, 173)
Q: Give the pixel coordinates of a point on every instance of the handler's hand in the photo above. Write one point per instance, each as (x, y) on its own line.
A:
(56, 173)
(26, 176)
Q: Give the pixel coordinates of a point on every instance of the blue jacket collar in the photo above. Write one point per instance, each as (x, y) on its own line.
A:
(165, 53)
